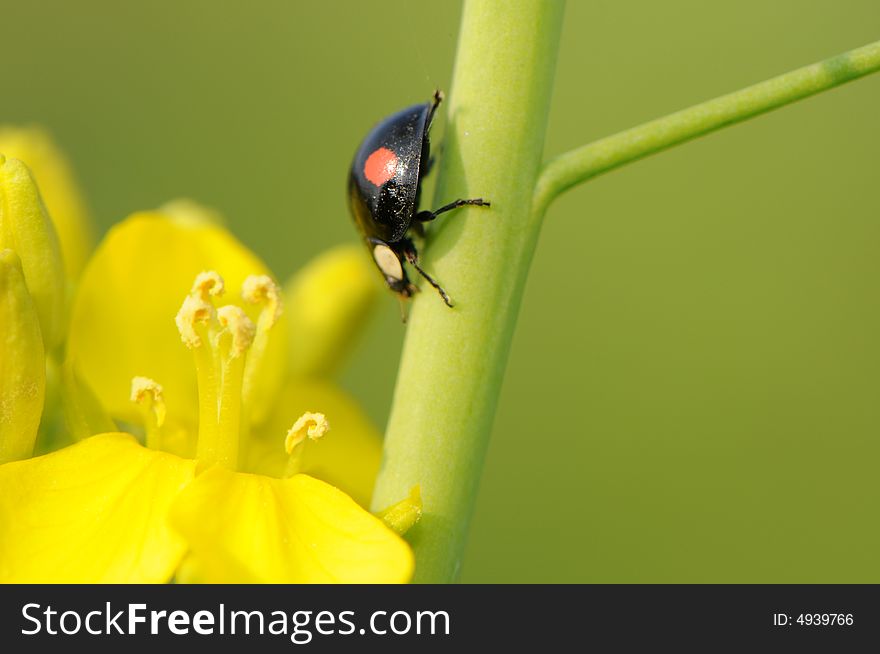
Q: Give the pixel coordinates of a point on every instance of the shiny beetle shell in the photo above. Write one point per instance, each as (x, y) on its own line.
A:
(385, 176)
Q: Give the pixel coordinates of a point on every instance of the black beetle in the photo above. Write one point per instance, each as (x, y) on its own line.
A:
(383, 191)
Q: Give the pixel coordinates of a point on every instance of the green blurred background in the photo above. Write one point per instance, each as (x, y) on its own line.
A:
(693, 390)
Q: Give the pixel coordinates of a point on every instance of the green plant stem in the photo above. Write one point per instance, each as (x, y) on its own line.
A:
(453, 360)
(609, 153)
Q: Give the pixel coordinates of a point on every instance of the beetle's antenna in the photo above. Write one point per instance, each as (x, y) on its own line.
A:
(435, 102)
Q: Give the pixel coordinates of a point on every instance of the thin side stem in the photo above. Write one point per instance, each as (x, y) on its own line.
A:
(572, 168)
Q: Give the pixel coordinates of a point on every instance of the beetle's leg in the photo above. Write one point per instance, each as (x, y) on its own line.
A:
(433, 283)
(425, 216)
(408, 249)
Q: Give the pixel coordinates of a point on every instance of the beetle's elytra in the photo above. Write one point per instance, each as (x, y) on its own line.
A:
(384, 185)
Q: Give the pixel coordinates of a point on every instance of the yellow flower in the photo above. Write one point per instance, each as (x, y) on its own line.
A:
(109, 509)
(60, 192)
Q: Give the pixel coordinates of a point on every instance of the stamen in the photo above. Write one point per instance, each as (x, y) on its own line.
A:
(234, 321)
(149, 396)
(198, 326)
(259, 289)
(309, 425)
(221, 340)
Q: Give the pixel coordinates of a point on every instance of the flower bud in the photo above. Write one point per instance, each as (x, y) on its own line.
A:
(22, 363)
(26, 229)
(59, 190)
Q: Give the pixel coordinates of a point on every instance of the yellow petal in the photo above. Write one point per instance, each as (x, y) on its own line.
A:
(93, 512)
(25, 228)
(83, 414)
(52, 435)
(59, 189)
(249, 528)
(327, 303)
(347, 457)
(187, 211)
(22, 363)
(122, 324)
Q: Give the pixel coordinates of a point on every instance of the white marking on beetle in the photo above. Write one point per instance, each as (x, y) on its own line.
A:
(388, 262)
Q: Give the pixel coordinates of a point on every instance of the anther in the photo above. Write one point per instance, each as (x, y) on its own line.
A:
(261, 289)
(149, 396)
(234, 320)
(308, 425)
(208, 283)
(194, 311)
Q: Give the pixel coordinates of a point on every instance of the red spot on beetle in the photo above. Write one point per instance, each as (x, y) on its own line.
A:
(380, 166)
